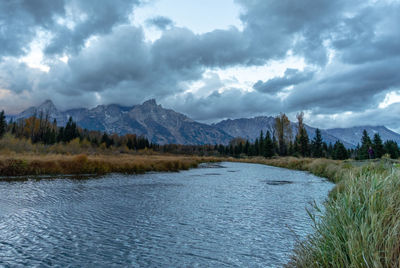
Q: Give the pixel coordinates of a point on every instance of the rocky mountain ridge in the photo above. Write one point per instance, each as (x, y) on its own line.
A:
(159, 125)
(165, 126)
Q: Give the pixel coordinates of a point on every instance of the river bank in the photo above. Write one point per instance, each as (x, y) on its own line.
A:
(360, 223)
(359, 227)
(57, 164)
(218, 215)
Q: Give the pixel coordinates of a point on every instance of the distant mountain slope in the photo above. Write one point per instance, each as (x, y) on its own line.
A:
(46, 108)
(250, 128)
(164, 126)
(353, 135)
(149, 119)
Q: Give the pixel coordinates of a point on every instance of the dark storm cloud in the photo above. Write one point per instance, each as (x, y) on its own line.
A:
(129, 70)
(387, 116)
(180, 47)
(160, 22)
(19, 21)
(280, 25)
(232, 103)
(291, 77)
(17, 76)
(349, 89)
(354, 46)
(100, 17)
(370, 35)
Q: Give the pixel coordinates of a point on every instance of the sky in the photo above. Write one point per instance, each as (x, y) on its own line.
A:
(338, 61)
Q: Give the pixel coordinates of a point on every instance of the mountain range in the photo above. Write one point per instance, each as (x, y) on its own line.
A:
(164, 126)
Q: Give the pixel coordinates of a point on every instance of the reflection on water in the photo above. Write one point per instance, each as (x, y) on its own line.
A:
(204, 217)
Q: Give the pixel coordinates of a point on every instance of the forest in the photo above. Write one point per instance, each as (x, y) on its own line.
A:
(39, 134)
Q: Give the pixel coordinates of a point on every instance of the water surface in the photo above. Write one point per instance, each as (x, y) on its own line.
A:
(227, 215)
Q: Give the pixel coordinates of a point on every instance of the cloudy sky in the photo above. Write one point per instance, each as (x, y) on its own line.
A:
(338, 61)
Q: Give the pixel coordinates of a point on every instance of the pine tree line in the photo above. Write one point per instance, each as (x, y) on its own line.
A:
(280, 143)
(38, 129)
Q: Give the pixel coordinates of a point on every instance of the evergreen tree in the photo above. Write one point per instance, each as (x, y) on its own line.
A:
(240, 149)
(365, 145)
(292, 148)
(275, 145)
(325, 150)
(246, 147)
(227, 152)
(261, 143)
(70, 131)
(392, 148)
(3, 124)
(339, 151)
(252, 150)
(268, 145)
(14, 128)
(329, 152)
(257, 147)
(106, 140)
(317, 144)
(377, 146)
(129, 144)
(60, 136)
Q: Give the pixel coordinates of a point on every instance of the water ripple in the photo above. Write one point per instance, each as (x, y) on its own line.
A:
(222, 215)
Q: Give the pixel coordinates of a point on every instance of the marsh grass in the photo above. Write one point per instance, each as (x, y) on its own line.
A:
(48, 164)
(359, 225)
(330, 169)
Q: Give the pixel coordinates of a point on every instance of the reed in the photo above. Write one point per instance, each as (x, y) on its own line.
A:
(360, 225)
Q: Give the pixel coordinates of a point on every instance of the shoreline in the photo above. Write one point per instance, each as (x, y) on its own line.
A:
(359, 223)
(17, 167)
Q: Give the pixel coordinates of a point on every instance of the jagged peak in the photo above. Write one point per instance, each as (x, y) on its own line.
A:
(150, 102)
(47, 104)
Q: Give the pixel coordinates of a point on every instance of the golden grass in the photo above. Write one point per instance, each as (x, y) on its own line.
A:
(360, 224)
(55, 164)
(359, 227)
(320, 167)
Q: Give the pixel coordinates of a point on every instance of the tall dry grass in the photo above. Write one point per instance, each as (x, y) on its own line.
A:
(48, 164)
(330, 169)
(360, 225)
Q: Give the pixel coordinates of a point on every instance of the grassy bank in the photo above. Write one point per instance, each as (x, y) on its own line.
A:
(360, 224)
(55, 164)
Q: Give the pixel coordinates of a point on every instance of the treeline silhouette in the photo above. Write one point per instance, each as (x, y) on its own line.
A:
(281, 143)
(39, 130)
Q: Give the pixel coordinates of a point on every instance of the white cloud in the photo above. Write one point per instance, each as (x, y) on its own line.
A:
(35, 56)
(390, 98)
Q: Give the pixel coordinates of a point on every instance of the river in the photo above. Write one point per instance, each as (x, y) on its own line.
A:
(218, 215)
